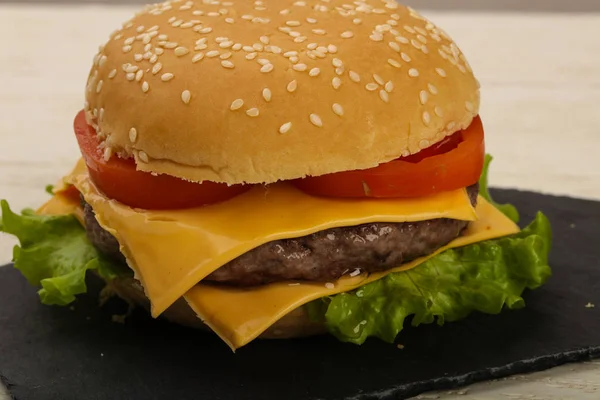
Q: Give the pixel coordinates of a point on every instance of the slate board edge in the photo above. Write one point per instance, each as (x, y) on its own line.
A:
(532, 365)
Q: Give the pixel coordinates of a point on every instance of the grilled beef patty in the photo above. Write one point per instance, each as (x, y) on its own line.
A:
(322, 256)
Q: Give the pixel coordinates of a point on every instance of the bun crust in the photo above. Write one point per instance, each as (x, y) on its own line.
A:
(294, 324)
(250, 93)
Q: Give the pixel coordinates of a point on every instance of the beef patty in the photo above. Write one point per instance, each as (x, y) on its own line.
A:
(322, 256)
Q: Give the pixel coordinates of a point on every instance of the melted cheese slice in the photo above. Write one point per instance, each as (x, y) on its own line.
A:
(171, 251)
(238, 315)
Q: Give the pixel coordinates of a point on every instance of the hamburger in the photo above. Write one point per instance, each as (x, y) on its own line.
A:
(282, 170)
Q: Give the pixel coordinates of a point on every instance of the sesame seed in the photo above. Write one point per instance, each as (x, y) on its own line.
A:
(451, 125)
(226, 44)
(181, 51)
(462, 69)
(354, 76)
(266, 93)
(212, 53)
(139, 75)
(311, 46)
(263, 61)
(292, 86)
(258, 47)
(213, 14)
(439, 111)
(251, 56)
(406, 57)
(284, 12)
(337, 62)
(159, 51)
(170, 45)
(227, 64)
(311, 20)
(468, 106)
(225, 56)
(143, 156)
(205, 30)
(292, 23)
(285, 128)
(196, 12)
(432, 89)
(356, 21)
(197, 57)
(413, 72)
(329, 285)
(340, 70)
(378, 79)
(316, 120)
(186, 96)
(332, 48)
(393, 63)
(248, 49)
(252, 112)
(337, 109)
(112, 74)
(300, 39)
(229, 20)
(347, 34)
(236, 104)
(130, 76)
(101, 61)
(266, 68)
(299, 67)
(336, 82)
(376, 37)
(129, 41)
(384, 96)
(426, 118)
(126, 49)
(416, 44)
(132, 135)
(156, 68)
(167, 77)
(314, 72)
(389, 86)
(402, 39)
(395, 46)
(371, 86)
(319, 31)
(290, 53)
(145, 87)
(99, 86)
(409, 29)
(423, 97)
(131, 68)
(264, 39)
(420, 30)
(108, 153)
(294, 59)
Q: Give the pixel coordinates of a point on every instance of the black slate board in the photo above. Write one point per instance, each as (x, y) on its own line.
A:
(78, 353)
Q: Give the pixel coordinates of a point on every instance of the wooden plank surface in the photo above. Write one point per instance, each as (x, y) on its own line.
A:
(541, 90)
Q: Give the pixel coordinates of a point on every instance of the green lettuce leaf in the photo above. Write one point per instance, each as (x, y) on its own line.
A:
(54, 254)
(485, 277)
(507, 209)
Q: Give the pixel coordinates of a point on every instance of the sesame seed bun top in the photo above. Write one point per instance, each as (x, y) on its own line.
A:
(243, 91)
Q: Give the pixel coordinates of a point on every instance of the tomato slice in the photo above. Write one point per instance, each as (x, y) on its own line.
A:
(454, 163)
(119, 179)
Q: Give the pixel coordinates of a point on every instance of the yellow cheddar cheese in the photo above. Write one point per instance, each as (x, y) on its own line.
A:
(239, 315)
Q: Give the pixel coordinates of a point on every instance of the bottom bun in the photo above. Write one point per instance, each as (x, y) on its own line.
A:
(294, 324)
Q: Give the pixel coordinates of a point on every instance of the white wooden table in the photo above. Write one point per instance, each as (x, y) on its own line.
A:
(541, 97)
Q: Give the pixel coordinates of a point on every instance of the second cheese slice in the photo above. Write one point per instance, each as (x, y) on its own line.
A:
(171, 251)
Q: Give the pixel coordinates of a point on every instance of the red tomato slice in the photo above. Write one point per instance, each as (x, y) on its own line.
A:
(454, 163)
(119, 179)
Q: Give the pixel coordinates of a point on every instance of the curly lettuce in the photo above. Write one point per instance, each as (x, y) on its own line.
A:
(54, 254)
